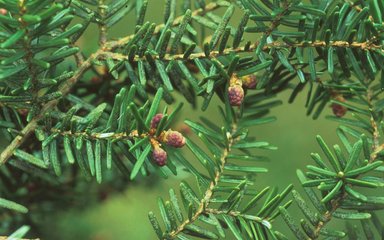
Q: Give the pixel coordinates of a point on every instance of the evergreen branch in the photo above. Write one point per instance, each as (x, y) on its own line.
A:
(351, 31)
(209, 192)
(100, 136)
(366, 46)
(114, 136)
(327, 216)
(337, 183)
(199, 12)
(335, 204)
(65, 88)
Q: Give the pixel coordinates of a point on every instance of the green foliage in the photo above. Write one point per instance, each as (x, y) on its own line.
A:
(60, 107)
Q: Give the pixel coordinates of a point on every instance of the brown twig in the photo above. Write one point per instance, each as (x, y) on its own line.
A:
(214, 54)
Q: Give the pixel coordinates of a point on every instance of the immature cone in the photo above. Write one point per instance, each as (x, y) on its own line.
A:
(159, 156)
(338, 110)
(235, 91)
(174, 139)
(249, 81)
(3, 11)
(156, 120)
(235, 95)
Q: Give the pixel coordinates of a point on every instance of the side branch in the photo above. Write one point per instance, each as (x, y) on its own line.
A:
(367, 46)
(31, 126)
(335, 204)
(237, 214)
(208, 193)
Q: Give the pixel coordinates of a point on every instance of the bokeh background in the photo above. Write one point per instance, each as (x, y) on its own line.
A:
(124, 215)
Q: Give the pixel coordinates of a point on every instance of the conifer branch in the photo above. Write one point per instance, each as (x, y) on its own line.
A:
(123, 136)
(65, 88)
(346, 36)
(367, 46)
(236, 214)
(335, 204)
(327, 216)
(209, 192)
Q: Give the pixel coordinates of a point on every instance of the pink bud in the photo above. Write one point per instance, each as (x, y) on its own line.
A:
(156, 120)
(3, 11)
(159, 156)
(339, 110)
(235, 95)
(174, 139)
(249, 81)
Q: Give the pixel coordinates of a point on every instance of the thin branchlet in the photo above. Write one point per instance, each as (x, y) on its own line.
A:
(366, 46)
(335, 203)
(204, 203)
(65, 88)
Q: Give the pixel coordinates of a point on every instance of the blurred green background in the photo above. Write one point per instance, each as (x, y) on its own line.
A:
(124, 216)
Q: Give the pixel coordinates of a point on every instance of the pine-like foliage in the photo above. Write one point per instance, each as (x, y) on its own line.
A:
(67, 115)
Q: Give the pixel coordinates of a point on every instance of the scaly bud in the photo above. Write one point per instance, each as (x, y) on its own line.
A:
(159, 156)
(338, 110)
(156, 120)
(174, 139)
(235, 95)
(235, 91)
(249, 81)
